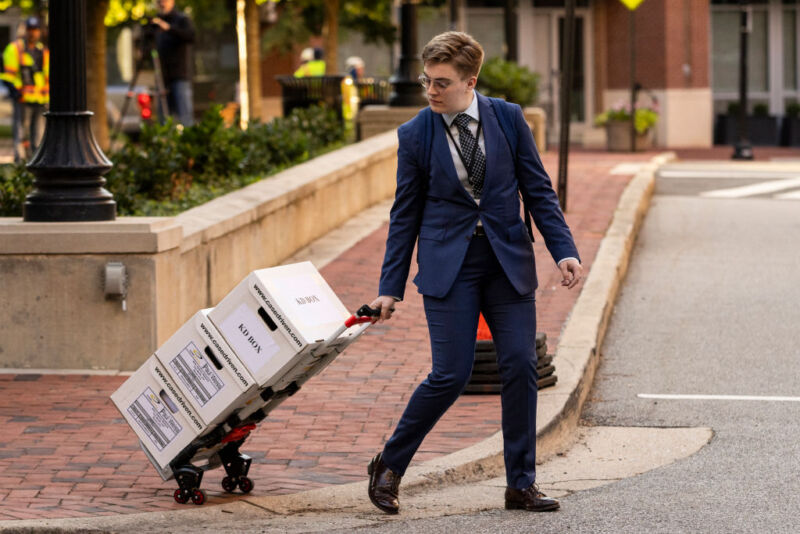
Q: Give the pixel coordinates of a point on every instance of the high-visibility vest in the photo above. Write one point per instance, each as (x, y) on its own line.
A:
(311, 68)
(20, 69)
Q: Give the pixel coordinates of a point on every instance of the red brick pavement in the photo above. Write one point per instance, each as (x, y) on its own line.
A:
(65, 451)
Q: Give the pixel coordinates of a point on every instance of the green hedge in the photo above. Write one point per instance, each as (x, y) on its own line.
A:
(510, 81)
(170, 169)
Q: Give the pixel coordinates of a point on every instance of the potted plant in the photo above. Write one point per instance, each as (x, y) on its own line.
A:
(518, 84)
(790, 132)
(617, 122)
(509, 81)
(762, 128)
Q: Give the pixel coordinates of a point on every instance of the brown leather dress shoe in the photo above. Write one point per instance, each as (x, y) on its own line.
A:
(384, 486)
(530, 499)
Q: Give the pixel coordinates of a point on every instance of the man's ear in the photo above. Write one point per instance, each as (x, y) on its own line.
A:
(472, 82)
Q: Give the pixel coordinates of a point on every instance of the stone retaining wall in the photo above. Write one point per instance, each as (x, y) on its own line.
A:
(54, 312)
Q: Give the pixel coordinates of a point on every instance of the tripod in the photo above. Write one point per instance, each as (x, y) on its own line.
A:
(147, 48)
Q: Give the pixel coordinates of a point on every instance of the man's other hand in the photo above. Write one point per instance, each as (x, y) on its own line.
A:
(386, 305)
(571, 272)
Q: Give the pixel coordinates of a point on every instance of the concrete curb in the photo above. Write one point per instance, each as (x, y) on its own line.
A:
(577, 357)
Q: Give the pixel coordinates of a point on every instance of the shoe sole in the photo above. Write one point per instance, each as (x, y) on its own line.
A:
(516, 506)
(370, 471)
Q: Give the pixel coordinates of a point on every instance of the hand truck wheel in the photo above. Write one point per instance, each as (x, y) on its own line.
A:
(181, 496)
(245, 484)
(198, 496)
(229, 484)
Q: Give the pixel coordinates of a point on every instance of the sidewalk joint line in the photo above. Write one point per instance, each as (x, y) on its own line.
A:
(717, 397)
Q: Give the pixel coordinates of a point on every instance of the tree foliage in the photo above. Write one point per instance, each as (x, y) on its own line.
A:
(206, 14)
(29, 7)
(300, 19)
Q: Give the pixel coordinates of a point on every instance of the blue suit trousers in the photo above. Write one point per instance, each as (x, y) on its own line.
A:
(481, 286)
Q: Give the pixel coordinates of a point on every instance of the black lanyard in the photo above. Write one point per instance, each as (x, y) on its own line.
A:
(458, 150)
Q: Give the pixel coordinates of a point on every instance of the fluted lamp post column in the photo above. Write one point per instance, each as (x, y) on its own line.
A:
(69, 164)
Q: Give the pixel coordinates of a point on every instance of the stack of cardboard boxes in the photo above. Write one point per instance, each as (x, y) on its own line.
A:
(224, 370)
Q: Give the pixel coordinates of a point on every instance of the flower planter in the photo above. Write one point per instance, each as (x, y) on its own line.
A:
(618, 137)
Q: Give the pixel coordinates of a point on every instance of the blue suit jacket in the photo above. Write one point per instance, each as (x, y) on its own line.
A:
(442, 215)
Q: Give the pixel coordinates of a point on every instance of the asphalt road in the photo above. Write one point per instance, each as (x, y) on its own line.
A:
(711, 306)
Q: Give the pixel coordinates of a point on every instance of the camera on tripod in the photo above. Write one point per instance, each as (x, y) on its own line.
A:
(147, 58)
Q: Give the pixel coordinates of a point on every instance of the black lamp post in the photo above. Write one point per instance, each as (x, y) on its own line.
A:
(406, 90)
(510, 22)
(69, 164)
(743, 149)
(567, 69)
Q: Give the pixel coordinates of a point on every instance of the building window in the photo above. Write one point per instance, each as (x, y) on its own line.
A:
(790, 49)
(725, 51)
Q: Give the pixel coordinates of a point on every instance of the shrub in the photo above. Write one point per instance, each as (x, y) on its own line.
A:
(171, 168)
(507, 80)
(761, 110)
(15, 183)
(645, 117)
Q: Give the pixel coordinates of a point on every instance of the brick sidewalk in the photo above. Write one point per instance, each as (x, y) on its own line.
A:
(66, 452)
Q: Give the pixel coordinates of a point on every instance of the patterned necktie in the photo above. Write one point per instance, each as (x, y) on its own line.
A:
(476, 168)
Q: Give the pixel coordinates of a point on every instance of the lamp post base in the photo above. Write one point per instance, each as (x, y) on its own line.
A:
(742, 151)
(69, 168)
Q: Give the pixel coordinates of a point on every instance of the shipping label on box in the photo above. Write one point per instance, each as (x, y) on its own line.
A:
(178, 398)
(156, 410)
(196, 374)
(154, 418)
(205, 368)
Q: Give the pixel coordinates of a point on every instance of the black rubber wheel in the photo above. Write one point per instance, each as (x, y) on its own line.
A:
(180, 496)
(198, 496)
(245, 484)
(229, 484)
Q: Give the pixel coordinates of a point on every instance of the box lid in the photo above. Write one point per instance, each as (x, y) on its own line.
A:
(298, 297)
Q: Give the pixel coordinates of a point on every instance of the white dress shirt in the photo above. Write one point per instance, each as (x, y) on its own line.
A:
(461, 170)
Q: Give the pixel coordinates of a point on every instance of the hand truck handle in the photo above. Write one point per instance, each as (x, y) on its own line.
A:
(365, 314)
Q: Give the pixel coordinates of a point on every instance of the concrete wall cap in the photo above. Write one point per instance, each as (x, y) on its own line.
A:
(123, 235)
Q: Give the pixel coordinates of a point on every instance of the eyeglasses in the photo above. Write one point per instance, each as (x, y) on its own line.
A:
(439, 83)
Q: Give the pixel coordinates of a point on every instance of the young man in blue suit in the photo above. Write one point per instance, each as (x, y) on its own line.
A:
(462, 163)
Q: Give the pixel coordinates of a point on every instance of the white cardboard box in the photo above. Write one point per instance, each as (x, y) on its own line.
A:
(156, 410)
(275, 316)
(206, 369)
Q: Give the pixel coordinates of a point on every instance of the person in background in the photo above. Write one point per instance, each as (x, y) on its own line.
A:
(311, 63)
(26, 75)
(354, 66)
(174, 44)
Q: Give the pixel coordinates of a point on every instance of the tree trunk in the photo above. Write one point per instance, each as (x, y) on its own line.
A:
(330, 34)
(253, 30)
(96, 69)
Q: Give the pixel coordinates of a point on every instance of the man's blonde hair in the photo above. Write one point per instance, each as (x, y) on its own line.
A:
(457, 48)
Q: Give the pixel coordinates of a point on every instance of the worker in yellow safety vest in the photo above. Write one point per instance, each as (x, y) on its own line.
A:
(311, 63)
(26, 75)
